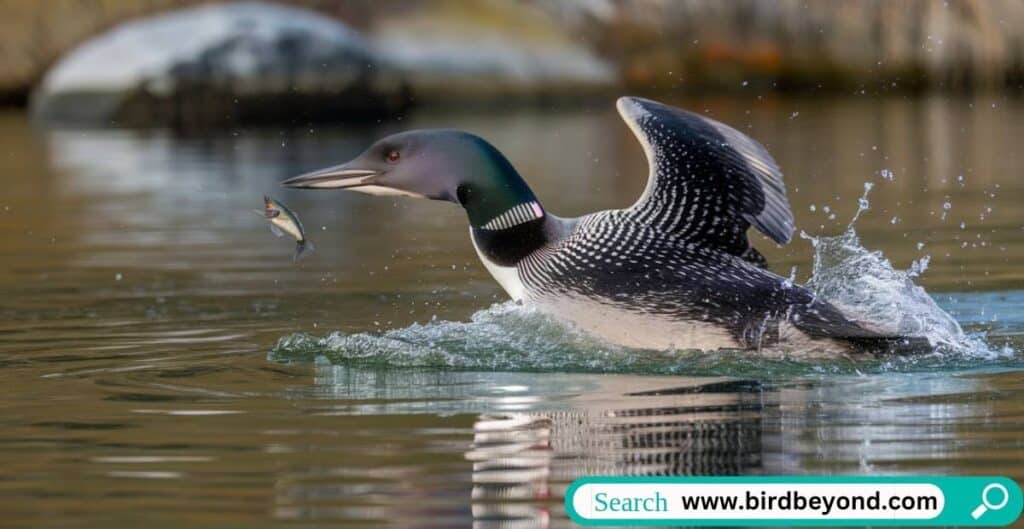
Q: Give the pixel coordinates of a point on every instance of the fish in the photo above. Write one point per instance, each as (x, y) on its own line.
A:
(282, 221)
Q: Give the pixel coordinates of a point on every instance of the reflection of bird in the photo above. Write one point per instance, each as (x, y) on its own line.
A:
(673, 270)
(628, 426)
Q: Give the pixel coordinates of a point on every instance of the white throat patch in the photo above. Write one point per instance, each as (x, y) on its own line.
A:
(515, 216)
(506, 276)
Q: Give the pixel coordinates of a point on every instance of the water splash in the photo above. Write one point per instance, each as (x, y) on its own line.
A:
(866, 287)
(505, 336)
(510, 337)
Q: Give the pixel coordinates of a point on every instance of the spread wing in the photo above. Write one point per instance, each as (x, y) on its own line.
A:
(708, 182)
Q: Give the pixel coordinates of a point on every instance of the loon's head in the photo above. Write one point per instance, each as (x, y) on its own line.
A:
(438, 164)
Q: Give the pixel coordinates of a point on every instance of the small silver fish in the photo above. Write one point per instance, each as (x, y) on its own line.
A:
(282, 221)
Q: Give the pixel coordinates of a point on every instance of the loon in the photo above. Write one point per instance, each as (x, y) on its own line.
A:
(673, 271)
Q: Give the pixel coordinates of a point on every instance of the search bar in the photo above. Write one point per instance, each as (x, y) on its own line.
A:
(847, 501)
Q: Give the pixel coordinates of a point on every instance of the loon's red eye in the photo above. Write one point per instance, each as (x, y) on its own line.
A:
(393, 156)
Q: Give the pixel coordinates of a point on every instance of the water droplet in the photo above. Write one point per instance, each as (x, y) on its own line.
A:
(887, 174)
(118, 276)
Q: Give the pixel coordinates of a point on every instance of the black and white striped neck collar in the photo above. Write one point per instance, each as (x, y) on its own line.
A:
(516, 215)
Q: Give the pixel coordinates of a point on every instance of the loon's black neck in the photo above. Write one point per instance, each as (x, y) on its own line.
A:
(507, 221)
(506, 247)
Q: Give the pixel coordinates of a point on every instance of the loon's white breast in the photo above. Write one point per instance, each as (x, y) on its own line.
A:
(506, 276)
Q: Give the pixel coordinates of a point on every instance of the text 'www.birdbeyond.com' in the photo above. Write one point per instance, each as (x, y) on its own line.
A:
(849, 501)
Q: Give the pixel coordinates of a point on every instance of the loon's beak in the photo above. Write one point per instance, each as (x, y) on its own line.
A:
(338, 177)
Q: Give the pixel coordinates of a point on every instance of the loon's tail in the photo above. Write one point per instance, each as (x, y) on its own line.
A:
(898, 345)
(820, 319)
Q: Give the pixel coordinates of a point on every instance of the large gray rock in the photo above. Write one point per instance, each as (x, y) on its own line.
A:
(221, 64)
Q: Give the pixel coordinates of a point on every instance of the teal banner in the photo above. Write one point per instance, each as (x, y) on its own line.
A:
(978, 501)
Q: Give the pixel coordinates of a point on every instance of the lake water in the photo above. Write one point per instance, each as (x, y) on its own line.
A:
(164, 362)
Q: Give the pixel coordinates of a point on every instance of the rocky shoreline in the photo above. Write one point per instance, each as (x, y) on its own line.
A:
(189, 63)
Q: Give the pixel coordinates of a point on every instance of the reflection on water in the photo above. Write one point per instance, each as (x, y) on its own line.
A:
(676, 427)
(524, 437)
(141, 296)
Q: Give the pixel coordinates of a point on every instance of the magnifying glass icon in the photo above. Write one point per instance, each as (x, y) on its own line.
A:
(987, 505)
